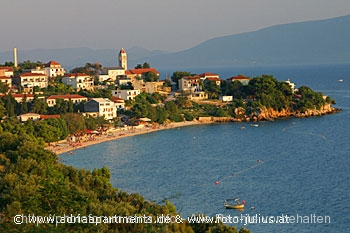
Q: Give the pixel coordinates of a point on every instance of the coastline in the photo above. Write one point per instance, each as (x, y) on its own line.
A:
(66, 147)
(119, 133)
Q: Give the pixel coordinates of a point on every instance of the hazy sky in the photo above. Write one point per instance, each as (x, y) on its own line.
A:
(170, 25)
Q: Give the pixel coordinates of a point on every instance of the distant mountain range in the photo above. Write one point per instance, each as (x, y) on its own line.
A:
(311, 42)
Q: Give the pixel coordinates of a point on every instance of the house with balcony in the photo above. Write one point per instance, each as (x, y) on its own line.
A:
(191, 85)
(51, 100)
(30, 80)
(52, 69)
(126, 94)
(119, 102)
(101, 107)
(79, 81)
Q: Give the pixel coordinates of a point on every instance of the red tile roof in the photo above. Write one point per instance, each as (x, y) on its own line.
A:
(32, 75)
(213, 79)
(22, 95)
(75, 75)
(4, 77)
(116, 99)
(191, 77)
(141, 71)
(6, 68)
(239, 77)
(208, 74)
(52, 63)
(49, 116)
(66, 97)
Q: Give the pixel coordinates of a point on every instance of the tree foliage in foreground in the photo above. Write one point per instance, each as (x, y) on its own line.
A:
(32, 181)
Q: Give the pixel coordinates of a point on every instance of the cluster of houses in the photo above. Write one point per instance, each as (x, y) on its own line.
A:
(102, 107)
(119, 75)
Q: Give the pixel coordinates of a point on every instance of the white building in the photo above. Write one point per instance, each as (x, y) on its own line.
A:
(126, 94)
(292, 85)
(52, 69)
(51, 100)
(6, 71)
(79, 81)
(29, 116)
(120, 103)
(101, 107)
(30, 80)
(111, 73)
(123, 81)
(240, 78)
(226, 98)
(206, 75)
(190, 84)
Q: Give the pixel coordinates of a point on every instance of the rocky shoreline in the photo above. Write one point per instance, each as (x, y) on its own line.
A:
(264, 114)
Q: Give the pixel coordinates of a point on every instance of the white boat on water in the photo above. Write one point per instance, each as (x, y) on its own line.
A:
(340, 80)
(254, 125)
(234, 203)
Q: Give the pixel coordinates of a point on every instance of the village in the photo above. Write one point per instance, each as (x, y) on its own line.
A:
(133, 79)
(120, 75)
(122, 85)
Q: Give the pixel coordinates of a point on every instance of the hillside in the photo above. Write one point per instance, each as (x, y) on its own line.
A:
(312, 42)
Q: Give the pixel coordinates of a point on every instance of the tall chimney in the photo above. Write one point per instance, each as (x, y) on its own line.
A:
(15, 61)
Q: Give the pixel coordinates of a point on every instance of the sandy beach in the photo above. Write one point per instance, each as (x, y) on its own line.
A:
(114, 134)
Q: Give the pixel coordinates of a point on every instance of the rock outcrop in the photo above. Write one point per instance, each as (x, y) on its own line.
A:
(268, 114)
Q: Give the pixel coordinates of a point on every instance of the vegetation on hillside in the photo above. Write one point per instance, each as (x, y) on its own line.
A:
(32, 181)
(262, 92)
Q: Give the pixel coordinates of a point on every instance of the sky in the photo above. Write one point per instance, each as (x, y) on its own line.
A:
(169, 25)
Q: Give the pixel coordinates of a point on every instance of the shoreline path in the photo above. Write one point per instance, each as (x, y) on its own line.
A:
(119, 133)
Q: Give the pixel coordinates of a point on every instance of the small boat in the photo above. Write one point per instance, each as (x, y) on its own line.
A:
(234, 203)
(340, 80)
(254, 125)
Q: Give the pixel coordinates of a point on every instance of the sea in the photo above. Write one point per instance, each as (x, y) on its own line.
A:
(293, 174)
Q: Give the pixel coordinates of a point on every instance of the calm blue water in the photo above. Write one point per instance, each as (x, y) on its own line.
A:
(303, 169)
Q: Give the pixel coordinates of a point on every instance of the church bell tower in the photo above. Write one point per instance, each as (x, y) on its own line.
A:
(123, 60)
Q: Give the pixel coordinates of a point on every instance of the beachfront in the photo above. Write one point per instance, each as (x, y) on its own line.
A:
(114, 134)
